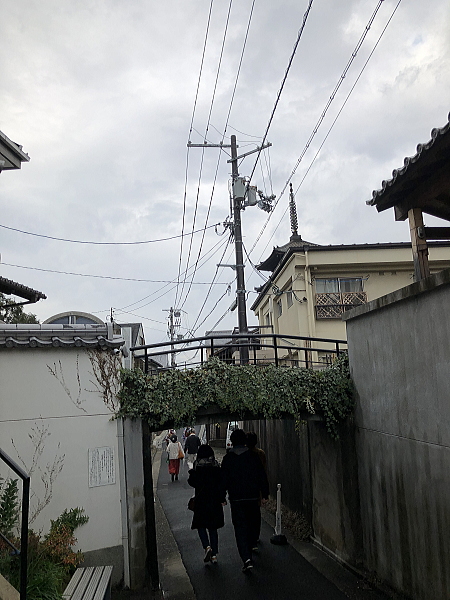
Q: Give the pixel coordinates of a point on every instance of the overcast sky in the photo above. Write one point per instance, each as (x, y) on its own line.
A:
(100, 94)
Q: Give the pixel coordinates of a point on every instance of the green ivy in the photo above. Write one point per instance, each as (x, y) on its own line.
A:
(175, 396)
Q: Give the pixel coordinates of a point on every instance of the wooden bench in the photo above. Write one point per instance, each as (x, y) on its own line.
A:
(89, 583)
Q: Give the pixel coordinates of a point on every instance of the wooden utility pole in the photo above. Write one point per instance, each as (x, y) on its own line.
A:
(240, 279)
(419, 244)
(237, 232)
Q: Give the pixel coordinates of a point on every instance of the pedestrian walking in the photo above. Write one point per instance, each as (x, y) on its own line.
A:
(206, 478)
(252, 440)
(186, 432)
(169, 434)
(191, 446)
(246, 482)
(175, 454)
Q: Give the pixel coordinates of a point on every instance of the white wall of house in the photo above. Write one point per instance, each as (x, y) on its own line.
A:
(68, 417)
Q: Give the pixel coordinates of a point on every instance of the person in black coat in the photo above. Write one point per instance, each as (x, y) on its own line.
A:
(206, 478)
(246, 482)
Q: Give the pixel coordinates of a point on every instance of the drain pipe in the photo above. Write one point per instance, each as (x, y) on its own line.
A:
(278, 538)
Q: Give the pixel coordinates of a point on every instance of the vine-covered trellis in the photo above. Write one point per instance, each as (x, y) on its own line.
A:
(177, 395)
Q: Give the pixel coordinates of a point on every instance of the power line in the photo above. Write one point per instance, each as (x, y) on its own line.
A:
(227, 118)
(105, 276)
(299, 35)
(211, 311)
(225, 128)
(331, 127)
(203, 154)
(187, 152)
(220, 243)
(209, 291)
(147, 318)
(254, 266)
(49, 237)
(333, 94)
(244, 45)
(203, 237)
(322, 116)
(258, 137)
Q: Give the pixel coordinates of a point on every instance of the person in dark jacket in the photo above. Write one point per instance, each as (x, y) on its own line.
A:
(252, 440)
(206, 478)
(191, 446)
(246, 482)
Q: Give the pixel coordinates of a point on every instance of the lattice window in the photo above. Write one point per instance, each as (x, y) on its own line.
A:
(333, 305)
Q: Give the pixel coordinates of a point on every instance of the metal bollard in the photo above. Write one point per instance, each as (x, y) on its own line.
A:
(278, 538)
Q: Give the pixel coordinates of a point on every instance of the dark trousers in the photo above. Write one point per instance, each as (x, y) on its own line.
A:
(212, 541)
(246, 517)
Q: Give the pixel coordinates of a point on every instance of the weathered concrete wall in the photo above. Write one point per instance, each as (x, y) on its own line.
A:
(399, 349)
(318, 478)
(336, 519)
(135, 499)
(287, 461)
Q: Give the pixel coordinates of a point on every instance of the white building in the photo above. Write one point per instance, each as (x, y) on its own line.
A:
(55, 421)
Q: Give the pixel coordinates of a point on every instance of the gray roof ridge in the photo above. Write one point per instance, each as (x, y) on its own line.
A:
(436, 133)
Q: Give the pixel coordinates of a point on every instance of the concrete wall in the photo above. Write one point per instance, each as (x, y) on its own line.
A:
(318, 479)
(336, 517)
(65, 419)
(135, 501)
(287, 461)
(399, 349)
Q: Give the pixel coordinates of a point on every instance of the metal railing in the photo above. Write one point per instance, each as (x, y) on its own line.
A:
(263, 348)
(23, 552)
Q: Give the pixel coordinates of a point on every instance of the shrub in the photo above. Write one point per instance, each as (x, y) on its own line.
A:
(51, 559)
(9, 506)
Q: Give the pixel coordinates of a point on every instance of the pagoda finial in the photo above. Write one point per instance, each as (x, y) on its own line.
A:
(293, 213)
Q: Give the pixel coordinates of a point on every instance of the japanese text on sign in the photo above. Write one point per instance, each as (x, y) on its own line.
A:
(101, 466)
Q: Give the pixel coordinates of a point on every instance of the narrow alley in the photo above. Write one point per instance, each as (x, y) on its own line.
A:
(279, 571)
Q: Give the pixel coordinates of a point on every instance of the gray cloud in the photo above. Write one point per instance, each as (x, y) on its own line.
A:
(100, 94)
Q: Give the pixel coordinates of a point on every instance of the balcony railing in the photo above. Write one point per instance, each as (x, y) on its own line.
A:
(261, 349)
(332, 305)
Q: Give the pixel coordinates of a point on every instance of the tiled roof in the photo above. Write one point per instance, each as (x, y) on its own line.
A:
(11, 154)
(11, 287)
(54, 336)
(410, 164)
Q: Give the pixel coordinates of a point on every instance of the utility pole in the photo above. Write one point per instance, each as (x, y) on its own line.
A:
(172, 326)
(240, 191)
(240, 280)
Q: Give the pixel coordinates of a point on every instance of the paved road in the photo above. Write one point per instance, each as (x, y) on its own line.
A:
(279, 571)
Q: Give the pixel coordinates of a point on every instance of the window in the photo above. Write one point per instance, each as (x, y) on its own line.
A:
(335, 296)
(289, 298)
(339, 285)
(267, 319)
(279, 308)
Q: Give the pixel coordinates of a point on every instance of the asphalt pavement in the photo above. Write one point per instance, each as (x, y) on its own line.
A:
(279, 571)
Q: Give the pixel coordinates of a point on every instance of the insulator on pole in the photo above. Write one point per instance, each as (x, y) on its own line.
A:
(278, 538)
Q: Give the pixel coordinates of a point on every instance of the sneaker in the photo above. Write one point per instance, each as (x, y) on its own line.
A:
(208, 554)
(214, 560)
(247, 566)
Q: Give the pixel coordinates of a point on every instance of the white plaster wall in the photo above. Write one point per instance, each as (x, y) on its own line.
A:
(73, 420)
